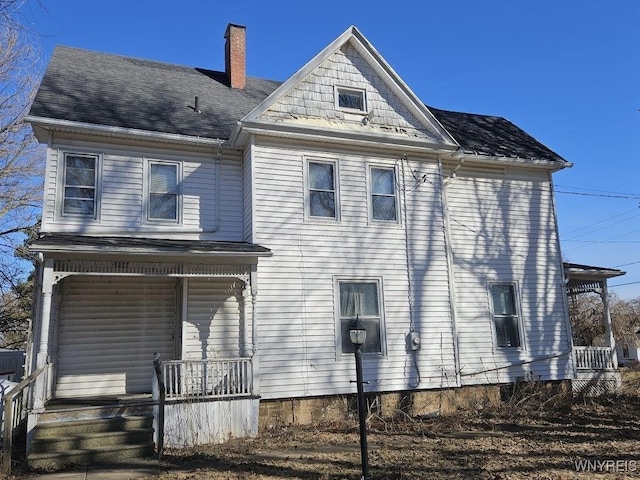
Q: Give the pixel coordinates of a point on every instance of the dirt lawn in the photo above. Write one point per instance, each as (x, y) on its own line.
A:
(534, 438)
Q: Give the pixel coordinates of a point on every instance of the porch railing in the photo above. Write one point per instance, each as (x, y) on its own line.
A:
(593, 358)
(220, 378)
(15, 405)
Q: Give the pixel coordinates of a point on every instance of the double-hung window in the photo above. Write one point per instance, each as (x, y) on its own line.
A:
(322, 192)
(163, 202)
(360, 300)
(505, 315)
(80, 185)
(384, 196)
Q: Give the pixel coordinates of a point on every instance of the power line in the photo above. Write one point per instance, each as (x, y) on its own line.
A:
(625, 264)
(601, 228)
(598, 193)
(623, 284)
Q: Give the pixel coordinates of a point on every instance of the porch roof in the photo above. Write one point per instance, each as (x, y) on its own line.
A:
(66, 243)
(587, 278)
(578, 271)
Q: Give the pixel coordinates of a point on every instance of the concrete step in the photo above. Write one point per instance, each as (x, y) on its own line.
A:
(58, 460)
(95, 425)
(67, 412)
(87, 441)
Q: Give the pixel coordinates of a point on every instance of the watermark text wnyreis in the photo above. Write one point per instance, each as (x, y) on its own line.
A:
(607, 466)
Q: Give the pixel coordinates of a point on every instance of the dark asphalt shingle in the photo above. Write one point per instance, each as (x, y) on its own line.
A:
(79, 243)
(117, 91)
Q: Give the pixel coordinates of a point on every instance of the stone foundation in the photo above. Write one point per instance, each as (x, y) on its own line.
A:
(317, 410)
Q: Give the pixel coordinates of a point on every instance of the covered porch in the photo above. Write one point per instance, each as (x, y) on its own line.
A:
(106, 305)
(595, 354)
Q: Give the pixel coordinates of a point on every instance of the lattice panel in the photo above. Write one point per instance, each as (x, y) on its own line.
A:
(150, 268)
(595, 387)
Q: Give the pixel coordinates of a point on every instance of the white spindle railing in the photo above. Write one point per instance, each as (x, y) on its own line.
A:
(231, 377)
(593, 358)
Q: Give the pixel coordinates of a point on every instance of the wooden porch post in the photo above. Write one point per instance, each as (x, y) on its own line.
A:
(45, 317)
(608, 326)
(41, 387)
(253, 280)
(246, 346)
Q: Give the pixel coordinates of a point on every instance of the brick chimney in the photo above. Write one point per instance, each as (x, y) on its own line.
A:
(235, 58)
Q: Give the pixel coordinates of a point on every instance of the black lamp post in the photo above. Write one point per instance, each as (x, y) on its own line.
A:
(358, 334)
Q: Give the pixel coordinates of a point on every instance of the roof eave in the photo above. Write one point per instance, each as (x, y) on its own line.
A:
(70, 126)
(310, 133)
(102, 250)
(552, 165)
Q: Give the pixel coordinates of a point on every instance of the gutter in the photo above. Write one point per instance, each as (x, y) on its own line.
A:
(510, 161)
(120, 132)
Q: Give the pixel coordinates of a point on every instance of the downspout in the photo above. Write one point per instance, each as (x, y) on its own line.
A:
(216, 207)
(407, 245)
(450, 266)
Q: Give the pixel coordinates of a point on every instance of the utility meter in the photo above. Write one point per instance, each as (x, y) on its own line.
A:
(414, 341)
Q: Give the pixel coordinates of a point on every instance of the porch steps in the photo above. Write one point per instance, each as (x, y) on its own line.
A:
(85, 435)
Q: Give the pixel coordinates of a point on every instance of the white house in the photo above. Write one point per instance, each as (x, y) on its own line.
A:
(238, 226)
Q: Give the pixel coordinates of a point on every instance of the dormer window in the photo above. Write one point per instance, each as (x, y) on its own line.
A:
(351, 99)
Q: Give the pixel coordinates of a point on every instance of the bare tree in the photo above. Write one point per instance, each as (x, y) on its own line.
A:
(21, 164)
(625, 317)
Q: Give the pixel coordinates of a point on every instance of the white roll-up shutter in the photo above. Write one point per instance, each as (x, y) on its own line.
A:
(109, 328)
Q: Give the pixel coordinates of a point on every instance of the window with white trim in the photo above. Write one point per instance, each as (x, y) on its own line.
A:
(504, 302)
(322, 189)
(351, 99)
(383, 194)
(361, 300)
(80, 184)
(163, 192)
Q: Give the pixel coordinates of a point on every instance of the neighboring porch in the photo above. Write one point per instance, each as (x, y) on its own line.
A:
(594, 343)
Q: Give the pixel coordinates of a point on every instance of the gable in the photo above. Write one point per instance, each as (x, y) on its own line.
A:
(309, 98)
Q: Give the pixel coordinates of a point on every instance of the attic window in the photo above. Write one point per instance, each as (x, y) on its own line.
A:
(351, 99)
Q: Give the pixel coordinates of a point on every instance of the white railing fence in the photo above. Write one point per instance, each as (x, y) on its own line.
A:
(220, 378)
(593, 358)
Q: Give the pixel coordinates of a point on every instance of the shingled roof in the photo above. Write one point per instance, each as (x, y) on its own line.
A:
(117, 91)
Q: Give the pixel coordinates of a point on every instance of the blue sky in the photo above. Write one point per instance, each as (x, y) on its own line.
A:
(567, 72)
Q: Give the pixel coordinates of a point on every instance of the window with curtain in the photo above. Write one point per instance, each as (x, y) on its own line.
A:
(163, 192)
(383, 194)
(322, 189)
(360, 300)
(80, 181)
(505, 315)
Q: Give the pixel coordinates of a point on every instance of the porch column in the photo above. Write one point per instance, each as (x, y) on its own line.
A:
(246, 346)
(607, 325)
(45, 314)
(255, 359)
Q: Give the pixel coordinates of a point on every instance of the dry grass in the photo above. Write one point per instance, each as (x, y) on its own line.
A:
(535, 434)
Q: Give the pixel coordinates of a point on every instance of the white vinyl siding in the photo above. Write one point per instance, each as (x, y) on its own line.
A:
(503, 227)
(211, 195)
(295, 306)
(212, 324)
(109, 329)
